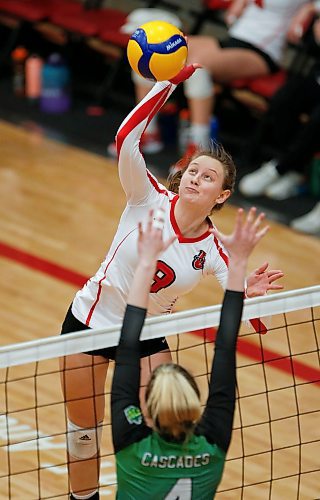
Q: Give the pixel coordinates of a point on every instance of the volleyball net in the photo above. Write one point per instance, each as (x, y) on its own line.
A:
(275, 448)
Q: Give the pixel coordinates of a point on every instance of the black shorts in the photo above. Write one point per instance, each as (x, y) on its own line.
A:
(148, 347)
(234, 43)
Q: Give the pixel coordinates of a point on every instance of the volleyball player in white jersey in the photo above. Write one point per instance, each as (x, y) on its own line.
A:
(264, 24)
(203, 187)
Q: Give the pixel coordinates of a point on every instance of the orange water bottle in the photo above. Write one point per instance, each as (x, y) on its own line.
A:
(33, 69)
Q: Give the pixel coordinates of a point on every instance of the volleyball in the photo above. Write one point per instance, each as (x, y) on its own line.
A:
(157, 50)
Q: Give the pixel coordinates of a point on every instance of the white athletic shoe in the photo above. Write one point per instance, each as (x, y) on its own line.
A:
(308, 223)
(256, 183)
(285, 187)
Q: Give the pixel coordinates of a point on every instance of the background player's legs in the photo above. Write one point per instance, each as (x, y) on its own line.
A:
(221, 64)
(282, 120)
(83, 383)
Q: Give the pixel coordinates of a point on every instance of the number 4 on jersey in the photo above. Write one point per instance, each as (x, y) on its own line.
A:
(181, 491)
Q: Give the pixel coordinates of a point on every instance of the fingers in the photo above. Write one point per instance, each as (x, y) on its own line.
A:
(152, 236)
(273, 272)
(252, 224)
(197, 66)
(150, 221)
(260, 234)
(239, 218)
(275, 275)
(185, 73)
(158, 219)
(251, 215)
(259, 219)
(253, 220)
(246, 230)
(275, 287)
(262, 268)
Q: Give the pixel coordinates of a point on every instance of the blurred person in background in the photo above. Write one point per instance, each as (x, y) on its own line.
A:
(254, 47)
(295, 139)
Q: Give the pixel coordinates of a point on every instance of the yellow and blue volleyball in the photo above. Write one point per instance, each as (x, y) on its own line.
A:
(157, 50)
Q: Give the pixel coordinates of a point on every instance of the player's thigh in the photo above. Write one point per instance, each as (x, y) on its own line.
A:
(226, 64)
(233, 63)
(83, 383)
(202, 49)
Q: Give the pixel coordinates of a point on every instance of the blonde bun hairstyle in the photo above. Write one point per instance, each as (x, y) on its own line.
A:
(173, 402)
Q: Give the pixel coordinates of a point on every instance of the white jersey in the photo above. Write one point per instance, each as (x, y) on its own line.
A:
(264, 24)
(102, 300)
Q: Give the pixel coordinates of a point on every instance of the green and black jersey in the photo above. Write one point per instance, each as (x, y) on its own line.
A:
(159, 469)
(148, 465)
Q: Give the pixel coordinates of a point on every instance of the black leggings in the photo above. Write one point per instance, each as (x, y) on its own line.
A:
(234, 43)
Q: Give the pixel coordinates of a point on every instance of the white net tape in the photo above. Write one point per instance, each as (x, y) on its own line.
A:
(185, 321)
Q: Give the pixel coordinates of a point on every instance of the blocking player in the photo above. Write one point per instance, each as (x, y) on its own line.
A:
(182, 455)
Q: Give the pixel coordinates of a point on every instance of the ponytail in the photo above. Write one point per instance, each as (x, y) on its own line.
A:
(173, 402)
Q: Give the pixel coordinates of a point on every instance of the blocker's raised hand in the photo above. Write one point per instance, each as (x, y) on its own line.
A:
(247, 232)
(262, 280)
(150, 240)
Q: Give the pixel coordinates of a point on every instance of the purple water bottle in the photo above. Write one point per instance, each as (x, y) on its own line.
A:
(55, 93)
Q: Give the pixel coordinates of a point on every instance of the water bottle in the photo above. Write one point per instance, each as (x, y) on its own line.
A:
(214, 129)
(55, 93)
(33, 77)
(183, 130)
(19, 56)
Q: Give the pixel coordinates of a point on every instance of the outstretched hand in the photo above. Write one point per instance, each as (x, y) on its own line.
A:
(262, 279)
(246, 234)
(150, 246)
(185, 73)
(150, 240)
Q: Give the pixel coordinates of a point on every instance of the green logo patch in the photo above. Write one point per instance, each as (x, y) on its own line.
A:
(133, 415)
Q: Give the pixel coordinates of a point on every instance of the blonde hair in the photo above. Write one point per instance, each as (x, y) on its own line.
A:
(173, 402)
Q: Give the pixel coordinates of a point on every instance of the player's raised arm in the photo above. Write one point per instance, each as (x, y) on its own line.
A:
(132, 167)
(218, 416)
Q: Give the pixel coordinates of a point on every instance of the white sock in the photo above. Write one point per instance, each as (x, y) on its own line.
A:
(85, 497)
(199, 134)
